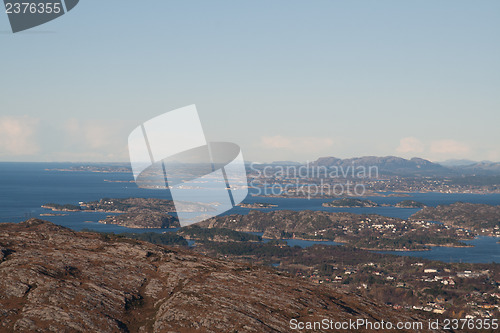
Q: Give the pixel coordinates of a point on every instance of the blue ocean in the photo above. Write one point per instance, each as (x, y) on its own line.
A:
(24, 187)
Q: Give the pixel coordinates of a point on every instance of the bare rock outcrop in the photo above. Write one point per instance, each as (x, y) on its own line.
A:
(53, 279)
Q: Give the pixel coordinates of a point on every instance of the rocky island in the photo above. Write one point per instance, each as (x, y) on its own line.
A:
(355, 203)
(62, 208)
(350, 202)
(134, 212)
(119, 205)
(257, 205)
(409, 204)
(373, 232)
(195, 232)
(144, 218)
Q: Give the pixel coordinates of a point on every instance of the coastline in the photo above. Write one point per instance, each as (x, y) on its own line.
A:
(82, 210)
(342, 243)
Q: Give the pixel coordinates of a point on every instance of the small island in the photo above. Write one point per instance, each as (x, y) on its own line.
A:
(53, 214)
(409, 204)
(61, 208)
(195, 232)
(350, 202)
(257, 205)
(143, 219)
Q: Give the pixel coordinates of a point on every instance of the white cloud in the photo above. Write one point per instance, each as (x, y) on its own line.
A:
(276, 141)
(449, 147)
(296, 144)
(97, 140)
(91, 134)
(18, 135)
(410, 145)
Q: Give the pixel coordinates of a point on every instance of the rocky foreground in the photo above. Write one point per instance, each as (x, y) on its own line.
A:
(53, 279)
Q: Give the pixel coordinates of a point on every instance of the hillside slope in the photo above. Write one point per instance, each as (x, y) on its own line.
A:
(55, 280)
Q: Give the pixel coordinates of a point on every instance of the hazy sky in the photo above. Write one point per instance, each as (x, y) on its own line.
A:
(286, 80)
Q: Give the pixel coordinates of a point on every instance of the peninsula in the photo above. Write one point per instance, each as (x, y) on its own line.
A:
(134, 212)
(373, 232)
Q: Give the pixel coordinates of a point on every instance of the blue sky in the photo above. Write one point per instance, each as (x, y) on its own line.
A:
(286, 80)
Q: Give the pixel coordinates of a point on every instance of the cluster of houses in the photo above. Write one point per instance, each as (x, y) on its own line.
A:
(479, 307)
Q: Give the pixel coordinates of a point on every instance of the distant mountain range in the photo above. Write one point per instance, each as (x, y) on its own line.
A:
(491, 168)
(456, 163)
(392, 165)
(389, 165)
